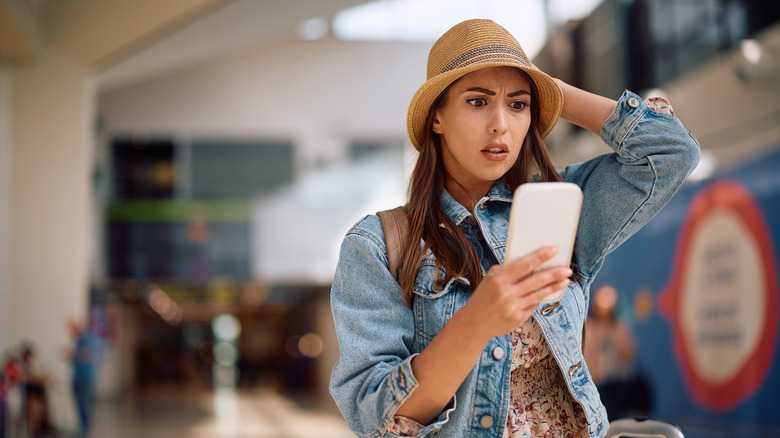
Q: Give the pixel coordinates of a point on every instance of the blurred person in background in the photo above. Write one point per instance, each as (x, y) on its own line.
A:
(36, 405)
(459, 345)
(609, 353)
(84, 358)
(11, 396)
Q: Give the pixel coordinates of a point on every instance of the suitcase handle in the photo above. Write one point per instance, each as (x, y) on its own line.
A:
(642, 427)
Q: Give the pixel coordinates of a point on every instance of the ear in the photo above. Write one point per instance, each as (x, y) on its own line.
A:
(436, 127)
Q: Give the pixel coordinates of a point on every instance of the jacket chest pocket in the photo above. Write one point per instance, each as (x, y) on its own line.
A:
(434, 303)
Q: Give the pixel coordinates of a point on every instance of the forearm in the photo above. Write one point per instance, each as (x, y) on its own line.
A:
(442, 367)
(585, 109)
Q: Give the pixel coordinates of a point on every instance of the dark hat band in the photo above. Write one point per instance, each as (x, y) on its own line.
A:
(484, 53)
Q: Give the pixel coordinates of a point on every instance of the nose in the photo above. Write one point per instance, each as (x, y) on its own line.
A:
(498, 120)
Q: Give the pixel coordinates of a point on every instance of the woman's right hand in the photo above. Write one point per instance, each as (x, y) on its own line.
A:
(505, 298)
(509, 294)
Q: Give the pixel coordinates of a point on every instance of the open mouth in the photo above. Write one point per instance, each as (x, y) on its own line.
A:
(496, 147)
(495, 152)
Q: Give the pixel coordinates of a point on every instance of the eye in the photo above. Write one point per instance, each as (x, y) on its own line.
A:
(477, 102)
(518, 105)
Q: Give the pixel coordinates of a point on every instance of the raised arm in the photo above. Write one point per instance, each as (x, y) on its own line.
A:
(653, 154)
(585, 109)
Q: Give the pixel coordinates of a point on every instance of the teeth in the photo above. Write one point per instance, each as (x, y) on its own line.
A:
(495, 150)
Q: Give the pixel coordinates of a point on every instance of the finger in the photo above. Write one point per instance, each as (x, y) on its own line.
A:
(543, 279)
(541, 293)
(527, 264)
(534, 278)
(556, 272)
(551, 289)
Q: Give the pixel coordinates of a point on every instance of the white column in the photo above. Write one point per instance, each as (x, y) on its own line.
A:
(51, 144)
(5, 208)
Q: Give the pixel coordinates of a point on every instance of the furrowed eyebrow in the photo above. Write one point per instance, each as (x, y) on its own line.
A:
(493, 93)
(482, 90)
(519, 93)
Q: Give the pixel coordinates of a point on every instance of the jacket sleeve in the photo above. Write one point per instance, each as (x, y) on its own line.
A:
(375, 330)
(653, 154)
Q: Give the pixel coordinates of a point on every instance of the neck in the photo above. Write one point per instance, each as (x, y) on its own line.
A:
(467, 197)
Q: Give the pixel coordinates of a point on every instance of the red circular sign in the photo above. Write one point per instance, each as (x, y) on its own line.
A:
(721, 299)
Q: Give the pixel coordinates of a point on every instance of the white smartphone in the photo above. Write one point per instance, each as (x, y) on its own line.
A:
(544, 214)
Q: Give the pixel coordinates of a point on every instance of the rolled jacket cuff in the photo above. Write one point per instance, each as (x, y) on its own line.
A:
(403, 382)
(630, 108)
(403, 385)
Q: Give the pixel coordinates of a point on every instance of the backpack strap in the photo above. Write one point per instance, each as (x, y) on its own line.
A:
(395, 224)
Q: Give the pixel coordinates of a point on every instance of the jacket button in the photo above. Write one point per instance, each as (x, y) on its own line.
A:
(633, 102)
(498, 353)
(486, 421)
(436, 288)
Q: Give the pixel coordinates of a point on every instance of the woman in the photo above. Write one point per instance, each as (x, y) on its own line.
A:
(460, 345)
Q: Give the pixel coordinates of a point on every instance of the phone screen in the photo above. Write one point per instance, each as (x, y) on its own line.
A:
(544, 214)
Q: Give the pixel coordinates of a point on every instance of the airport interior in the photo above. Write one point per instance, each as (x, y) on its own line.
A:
(176, 178)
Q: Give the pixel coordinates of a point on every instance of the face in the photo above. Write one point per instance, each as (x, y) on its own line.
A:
(604, 301)
(482, 127)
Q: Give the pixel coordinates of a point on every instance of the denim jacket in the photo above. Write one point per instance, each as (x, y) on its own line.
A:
(379, 335)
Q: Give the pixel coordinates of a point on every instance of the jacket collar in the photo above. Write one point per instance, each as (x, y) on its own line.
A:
(457, 213)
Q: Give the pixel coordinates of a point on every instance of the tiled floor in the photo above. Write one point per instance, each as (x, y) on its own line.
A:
(224, 413)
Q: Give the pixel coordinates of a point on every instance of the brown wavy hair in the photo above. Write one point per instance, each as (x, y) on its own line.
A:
(448, 243)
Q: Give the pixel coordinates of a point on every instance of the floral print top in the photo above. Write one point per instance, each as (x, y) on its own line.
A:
(540, 404)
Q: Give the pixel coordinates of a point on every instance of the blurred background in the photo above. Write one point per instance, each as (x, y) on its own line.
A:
(176, 177)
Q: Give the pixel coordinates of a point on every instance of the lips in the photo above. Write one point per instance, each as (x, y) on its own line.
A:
(495, 151)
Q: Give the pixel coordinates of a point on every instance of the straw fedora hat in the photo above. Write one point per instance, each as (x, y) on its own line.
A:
(469, 46)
